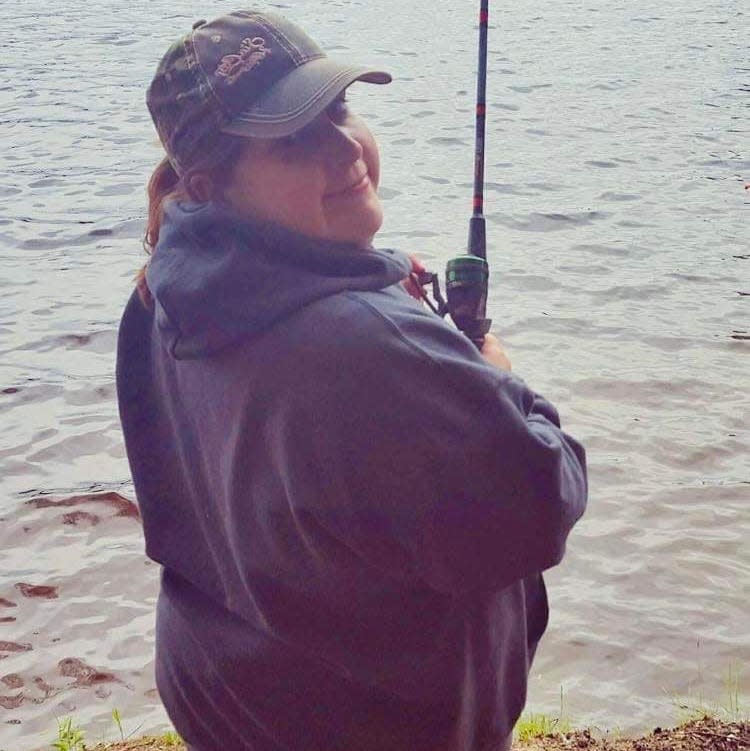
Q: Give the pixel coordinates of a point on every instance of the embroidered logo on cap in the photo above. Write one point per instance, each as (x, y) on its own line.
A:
(252, 52)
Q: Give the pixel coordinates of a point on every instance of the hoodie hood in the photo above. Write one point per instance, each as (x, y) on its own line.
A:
(215, 278)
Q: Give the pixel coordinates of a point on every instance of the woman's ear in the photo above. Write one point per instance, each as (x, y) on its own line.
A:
(199, 187)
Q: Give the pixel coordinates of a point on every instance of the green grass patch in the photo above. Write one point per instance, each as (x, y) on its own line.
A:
(729, 708)
(533, 725)
(69, 736)
(171, 739)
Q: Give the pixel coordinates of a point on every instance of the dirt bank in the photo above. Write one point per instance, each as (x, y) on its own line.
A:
(699, 735)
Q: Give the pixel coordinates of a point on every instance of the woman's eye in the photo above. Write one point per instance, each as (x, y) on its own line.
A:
(288, 142)
(338, 109)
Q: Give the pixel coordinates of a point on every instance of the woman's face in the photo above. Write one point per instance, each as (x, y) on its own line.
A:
(321, 181)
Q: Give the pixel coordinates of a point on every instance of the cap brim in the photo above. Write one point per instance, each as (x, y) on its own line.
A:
(298, 98)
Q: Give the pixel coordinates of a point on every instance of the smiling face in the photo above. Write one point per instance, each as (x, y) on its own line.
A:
(322, 181)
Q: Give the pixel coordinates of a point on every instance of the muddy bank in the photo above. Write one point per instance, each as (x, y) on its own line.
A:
(699, 735)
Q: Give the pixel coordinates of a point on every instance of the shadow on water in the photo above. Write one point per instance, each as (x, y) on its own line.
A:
(121, 505)
(48, 660)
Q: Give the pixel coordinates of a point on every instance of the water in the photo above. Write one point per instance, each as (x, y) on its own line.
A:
(617, 142)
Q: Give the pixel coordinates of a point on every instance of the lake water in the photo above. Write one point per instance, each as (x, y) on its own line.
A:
(617, 220)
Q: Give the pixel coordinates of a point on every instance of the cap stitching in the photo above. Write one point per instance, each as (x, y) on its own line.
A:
(311, 57)
(214, 95)
(251, 53)
(260, 20)
(296, 57)
(281, 40)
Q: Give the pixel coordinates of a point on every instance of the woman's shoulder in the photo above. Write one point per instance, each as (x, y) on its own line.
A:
(370, 342)
(387, 321)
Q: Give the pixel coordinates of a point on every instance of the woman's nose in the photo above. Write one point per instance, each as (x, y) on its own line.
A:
(342, 143)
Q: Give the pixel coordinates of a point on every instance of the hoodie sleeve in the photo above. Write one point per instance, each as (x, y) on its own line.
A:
(424, 460)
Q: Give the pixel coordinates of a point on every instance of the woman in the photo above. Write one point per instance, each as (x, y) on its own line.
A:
(352, 506)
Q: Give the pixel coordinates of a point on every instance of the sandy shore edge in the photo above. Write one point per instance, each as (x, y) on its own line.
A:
(706, 734)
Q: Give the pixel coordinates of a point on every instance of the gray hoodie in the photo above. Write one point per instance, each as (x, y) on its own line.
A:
(351, 507)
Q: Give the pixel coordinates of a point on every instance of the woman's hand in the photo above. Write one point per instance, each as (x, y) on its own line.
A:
(493, 352)
(411, 283)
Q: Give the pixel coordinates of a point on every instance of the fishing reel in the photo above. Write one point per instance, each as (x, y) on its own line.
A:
(466, 279)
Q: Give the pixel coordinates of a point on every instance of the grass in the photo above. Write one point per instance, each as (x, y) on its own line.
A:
(118, 721)
(171, 739)
(729, 709)
(70, 737)
(532, 725)
(689, 709)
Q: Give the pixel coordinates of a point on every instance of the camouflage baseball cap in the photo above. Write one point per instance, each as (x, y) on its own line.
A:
(249, 73)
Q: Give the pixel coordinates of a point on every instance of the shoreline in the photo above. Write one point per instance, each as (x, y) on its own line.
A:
(703, 734)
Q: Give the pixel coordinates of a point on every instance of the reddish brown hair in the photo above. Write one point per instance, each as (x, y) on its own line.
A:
(203, 181)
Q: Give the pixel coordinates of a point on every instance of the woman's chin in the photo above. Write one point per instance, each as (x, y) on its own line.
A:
(358, 226)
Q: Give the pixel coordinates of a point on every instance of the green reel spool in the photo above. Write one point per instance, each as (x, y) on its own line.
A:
(466, 279)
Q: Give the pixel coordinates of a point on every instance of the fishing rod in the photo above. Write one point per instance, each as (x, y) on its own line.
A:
(467, 276)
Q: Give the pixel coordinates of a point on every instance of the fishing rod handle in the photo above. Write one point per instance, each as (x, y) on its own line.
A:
(477, 237)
